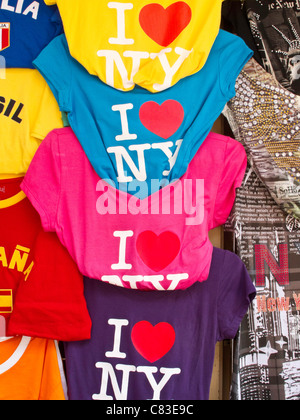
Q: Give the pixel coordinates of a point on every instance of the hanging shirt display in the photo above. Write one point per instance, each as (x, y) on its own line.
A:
(275, 28)
(153, 45)
(158, 243)
(148, 352)
(26, 27)
(30, 370)
(265, 118)
(41, 289)
(28, 111)
(267, 357)
(138, 136)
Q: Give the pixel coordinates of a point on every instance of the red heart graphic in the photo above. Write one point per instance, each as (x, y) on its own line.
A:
(153, 343)
(164, 25)
(162, 120)
(157, 252)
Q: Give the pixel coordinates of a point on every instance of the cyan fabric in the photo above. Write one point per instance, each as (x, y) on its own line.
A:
(132, 138)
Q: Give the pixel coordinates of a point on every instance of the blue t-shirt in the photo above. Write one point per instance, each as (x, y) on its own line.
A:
(140, 140)
(26, 27)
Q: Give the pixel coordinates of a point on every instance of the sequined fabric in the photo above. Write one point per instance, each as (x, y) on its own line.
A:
(265, 118)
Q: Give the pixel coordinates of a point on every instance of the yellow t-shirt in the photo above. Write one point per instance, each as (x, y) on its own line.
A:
(31, 369)
(28, 112)
(153, 45)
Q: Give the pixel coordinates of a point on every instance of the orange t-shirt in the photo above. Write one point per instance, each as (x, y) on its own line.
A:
(30, 369)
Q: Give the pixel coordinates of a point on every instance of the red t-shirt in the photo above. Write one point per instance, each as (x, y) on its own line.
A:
(41, 289)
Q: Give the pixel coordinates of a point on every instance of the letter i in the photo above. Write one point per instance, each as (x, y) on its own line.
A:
(121, 7)
(123, 235)
(118, 323)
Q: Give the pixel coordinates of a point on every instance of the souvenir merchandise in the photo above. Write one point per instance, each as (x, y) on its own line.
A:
(158, 243)
(28, 111)
(153, 45)
(26, 27)
(41, 289)
(265, 118)
(274, 26)
(235, 20)
(267, 356)
(148, 352)
(138, 136)
(31, 369)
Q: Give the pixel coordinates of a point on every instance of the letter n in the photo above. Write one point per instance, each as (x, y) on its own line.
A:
(280, 270)
(120, 393)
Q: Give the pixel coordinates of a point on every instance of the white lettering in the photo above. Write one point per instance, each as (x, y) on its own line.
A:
(19, 6)
(108, 371)
(121, 153)
(121, 38)
(124, 122)
(133, 280)
(165, 147)
(114, 280)
(176, 279)
(6, 6)
(123, 235)
(118, 323)
(114, 58)
(32, 8)
(157, 387)
(154, 280)
(170, 71)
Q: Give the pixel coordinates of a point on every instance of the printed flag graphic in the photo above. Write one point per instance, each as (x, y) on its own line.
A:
(4, 35)
(6, 302)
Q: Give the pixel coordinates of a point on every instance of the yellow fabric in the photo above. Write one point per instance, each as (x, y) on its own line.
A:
(29, 370)
(106, 35)
(28, 112)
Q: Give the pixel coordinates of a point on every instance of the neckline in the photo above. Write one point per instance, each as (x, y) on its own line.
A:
(11, 201)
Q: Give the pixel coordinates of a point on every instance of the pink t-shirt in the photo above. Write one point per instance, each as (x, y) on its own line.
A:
(158, 243)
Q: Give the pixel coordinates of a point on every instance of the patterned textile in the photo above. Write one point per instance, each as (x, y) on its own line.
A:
(265, 118)
(267, 349)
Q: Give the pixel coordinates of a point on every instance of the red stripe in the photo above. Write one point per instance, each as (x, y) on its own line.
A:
(5, 38)
(5, 293)
(5, 308)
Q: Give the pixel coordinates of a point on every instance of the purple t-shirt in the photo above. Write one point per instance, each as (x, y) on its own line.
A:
(153, 345)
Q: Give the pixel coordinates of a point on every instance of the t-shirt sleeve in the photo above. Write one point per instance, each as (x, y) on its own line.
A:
(233, 55)
(41, 183)
(51, 303)
(235, 294)
(232, 175)
(54, 63)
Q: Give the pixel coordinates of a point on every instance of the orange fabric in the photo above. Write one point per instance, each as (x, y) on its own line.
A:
(30, 370)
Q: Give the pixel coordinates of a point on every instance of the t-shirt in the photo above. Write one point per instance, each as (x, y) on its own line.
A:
(41, 289)
(153, 45)
(26, 27)
(157, 346)
(275, 30)
(139, 136)
(159, 243)
(265, 118)
(28, 111)
(266, 363)
(31, 369)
